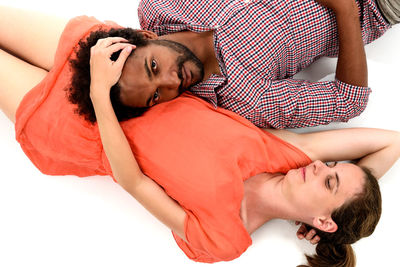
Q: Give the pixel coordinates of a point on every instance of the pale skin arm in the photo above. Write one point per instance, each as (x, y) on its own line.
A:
(375, 149)
(104, 74)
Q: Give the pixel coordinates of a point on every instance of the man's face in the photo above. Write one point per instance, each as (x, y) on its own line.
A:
(157, 73)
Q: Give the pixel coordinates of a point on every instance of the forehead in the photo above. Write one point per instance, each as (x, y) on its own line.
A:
(152, 49)
(351, 179)
(134, 68)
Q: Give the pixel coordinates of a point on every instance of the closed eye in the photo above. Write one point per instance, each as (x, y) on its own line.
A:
(329, 185)
(328, 182)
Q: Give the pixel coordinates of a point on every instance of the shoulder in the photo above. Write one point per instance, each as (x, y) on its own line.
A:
(147, 14)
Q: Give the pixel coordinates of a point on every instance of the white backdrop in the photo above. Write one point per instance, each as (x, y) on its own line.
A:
(68, 221)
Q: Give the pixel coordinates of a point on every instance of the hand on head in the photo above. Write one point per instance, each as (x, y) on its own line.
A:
(104, 72)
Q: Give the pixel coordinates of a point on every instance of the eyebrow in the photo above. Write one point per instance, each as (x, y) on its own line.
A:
(146, 67)
(337, 182)
(148, 72)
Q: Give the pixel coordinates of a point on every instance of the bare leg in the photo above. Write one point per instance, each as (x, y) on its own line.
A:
(30, 35)
(16, 79)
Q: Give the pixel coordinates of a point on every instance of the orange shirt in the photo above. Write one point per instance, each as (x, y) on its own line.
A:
(200, 155)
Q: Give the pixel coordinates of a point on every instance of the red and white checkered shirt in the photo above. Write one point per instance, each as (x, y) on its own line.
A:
(260, 45)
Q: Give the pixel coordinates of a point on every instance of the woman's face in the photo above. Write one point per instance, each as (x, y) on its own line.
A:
(318, 189)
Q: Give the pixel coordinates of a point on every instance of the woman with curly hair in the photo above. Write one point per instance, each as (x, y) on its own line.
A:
(209, 175)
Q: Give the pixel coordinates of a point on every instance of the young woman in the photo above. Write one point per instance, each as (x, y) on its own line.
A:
(224, 178)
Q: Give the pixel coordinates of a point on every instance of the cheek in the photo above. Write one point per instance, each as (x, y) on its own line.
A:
(131, 98)
(309, 196)
(124, 96)
(170, 94)
(321, 201)
(295, 190)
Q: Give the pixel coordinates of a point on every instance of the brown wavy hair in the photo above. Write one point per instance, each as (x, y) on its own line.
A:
(355, 219)
(78, 90)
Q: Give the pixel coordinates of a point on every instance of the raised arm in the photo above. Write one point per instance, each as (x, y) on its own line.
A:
(104, 74)
(351, 67)
(314, 103)
(376, 149)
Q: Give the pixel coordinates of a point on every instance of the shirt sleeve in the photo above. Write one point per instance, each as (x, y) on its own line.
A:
(290, 103)
(163, 16)
(209, 241)
(146, 15)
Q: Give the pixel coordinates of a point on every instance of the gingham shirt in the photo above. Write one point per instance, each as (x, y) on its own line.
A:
(259, 46)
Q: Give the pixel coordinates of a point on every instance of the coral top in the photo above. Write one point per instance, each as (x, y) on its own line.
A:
(200, 155)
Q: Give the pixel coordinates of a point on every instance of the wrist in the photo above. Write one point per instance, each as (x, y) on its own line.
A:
(100, 97)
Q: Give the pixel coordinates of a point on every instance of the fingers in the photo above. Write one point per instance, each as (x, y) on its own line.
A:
(303, 233)
(119, 63)
(118, 46)
(315, 240)
(110, 45)
(104, 72)
(106, 42)
(310, 235)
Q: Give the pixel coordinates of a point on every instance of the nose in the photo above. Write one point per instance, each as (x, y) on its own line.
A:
(170, 80)
(317, 166)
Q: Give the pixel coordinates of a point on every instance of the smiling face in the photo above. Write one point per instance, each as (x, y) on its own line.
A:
(318, 189)
(157, 73)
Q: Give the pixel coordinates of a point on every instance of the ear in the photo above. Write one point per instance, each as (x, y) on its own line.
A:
(325, 224)
(148, 34)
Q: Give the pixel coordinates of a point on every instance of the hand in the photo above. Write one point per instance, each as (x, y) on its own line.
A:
(308, 235)
(104, 72)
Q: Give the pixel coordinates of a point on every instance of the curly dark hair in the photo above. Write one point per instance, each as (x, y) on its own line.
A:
(79, 89)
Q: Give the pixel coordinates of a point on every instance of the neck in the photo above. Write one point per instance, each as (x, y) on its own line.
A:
(202, 46)
(263, 201)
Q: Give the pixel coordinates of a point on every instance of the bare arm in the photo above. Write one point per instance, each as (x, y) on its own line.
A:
(351, 67)
(376, 149)
(105, 73)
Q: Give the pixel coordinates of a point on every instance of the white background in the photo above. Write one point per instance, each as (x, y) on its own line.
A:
(69, 221)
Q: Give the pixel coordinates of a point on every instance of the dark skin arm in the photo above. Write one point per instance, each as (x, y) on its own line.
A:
(351, 66)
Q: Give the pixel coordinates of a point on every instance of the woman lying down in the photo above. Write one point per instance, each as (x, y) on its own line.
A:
(208, 174)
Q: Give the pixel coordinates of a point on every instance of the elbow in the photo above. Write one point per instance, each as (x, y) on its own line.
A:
(131, 183)
(353, 105)
(396, 143)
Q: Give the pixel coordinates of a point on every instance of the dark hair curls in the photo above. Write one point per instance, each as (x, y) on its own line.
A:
(79, 88)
